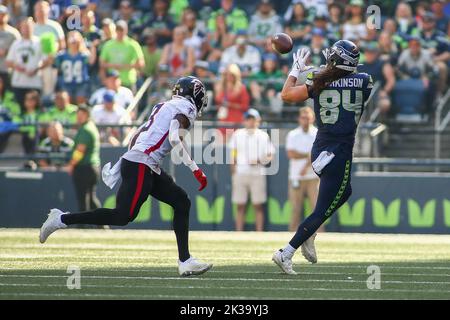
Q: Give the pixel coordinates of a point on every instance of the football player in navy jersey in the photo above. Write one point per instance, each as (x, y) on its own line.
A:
(339, 93)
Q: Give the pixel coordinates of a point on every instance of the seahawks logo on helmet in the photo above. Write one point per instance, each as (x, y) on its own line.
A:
(343, 55)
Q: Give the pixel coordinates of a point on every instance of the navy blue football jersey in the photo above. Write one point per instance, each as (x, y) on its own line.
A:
(339, 107)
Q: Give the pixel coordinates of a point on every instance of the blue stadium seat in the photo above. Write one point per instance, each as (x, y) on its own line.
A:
(409, 96)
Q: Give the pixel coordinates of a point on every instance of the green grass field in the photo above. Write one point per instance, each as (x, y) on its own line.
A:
(124, 264)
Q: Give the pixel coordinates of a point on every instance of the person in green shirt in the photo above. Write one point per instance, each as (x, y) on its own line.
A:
(123, 54)
(85, 163)
(152, 54)
(63, 111)
(236, 18)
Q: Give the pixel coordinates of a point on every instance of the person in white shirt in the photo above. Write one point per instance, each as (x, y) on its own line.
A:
(251, 149)
(110, 113)
(123, 97)
(302, 179)
(26, 60)
(246, 56)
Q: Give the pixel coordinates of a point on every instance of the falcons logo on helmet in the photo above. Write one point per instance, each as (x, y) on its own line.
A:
(199, 88)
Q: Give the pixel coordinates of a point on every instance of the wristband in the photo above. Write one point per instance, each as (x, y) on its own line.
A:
(77, 156)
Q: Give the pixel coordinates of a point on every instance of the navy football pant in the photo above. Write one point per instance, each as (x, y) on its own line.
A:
(334, 191)
(138, 182)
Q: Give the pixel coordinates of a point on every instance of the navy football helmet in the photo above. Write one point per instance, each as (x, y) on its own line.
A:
(344, 55)
(192, 89)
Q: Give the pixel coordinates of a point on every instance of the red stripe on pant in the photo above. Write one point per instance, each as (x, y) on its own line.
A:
(140, 182)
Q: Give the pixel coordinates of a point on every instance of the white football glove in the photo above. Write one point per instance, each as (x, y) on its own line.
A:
(299, 64)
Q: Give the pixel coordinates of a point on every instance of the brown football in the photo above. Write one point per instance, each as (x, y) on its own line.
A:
(282, 43)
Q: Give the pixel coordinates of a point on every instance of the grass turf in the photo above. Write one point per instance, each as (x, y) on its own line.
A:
(125, 264)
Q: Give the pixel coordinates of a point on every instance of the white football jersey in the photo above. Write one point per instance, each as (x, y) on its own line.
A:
(151, 143)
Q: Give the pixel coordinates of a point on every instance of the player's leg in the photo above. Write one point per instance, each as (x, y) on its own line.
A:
(133, 191)
(239, 197)
(334, 190)
(166, 190)
(258, 195)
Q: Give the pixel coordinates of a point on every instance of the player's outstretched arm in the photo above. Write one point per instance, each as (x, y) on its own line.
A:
(176, 138)
(292, 93)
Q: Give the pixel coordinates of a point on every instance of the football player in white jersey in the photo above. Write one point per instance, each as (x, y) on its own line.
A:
(142, 176)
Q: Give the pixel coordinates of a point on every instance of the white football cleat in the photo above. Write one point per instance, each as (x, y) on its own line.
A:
(283, 262)
(309, 249)
(192, 267)
(52, 224)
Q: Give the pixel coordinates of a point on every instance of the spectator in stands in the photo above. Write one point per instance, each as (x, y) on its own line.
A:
(389, 52)
(264, 24)
(178, 55)
(152, 54)
(231, 96)
(406, 25)
(218, 40)
(28, 120)
(303, 182)
(438, 45)
(26, 59)
(108, 31)
(44, 24)
(8, 35)
(127, 13)
(63, 111)
(109, 113)
(355, 26)
(298, 26)
(321, 22)
(421, 8)
(335, 23)
(251, 149)
(112, 82)
(236, 19)
(312, 7)
(195, 37)
(246, 56)
(400, 40)
(381, 72)
(316, 45)
(416, 62)
(55, 144)
(85, 162)
(129, 62)
(92, 36)
(442, 21)
(52, 40)
(73, 67)
(202, 71)
(266, 85)
(160, 21)
(9, 110)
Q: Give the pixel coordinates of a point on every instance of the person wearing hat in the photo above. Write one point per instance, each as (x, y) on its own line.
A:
(202, 71)
(318, 42)
(439, 46)
(246, 56)
(264, 23)
(123, 95)
(109, 113)
(8, 35)
(355, 26)
(382, 72)
(251, 149)
(123, 54)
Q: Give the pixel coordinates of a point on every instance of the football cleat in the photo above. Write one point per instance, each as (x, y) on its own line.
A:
(283, 262)
(309, 249)
(192, 267)
(52, 224)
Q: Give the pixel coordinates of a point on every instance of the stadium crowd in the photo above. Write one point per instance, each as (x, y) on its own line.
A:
(61, 54)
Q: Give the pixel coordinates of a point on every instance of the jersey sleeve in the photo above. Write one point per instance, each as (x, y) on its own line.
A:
(188, 110)
(368, 87)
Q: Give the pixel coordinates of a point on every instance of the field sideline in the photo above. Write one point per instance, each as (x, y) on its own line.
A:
(126, 264)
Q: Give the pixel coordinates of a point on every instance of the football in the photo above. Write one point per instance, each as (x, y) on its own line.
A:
(282, 43)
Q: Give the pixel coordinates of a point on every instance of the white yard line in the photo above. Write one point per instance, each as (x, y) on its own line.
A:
(291, 279)
(219, 288)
